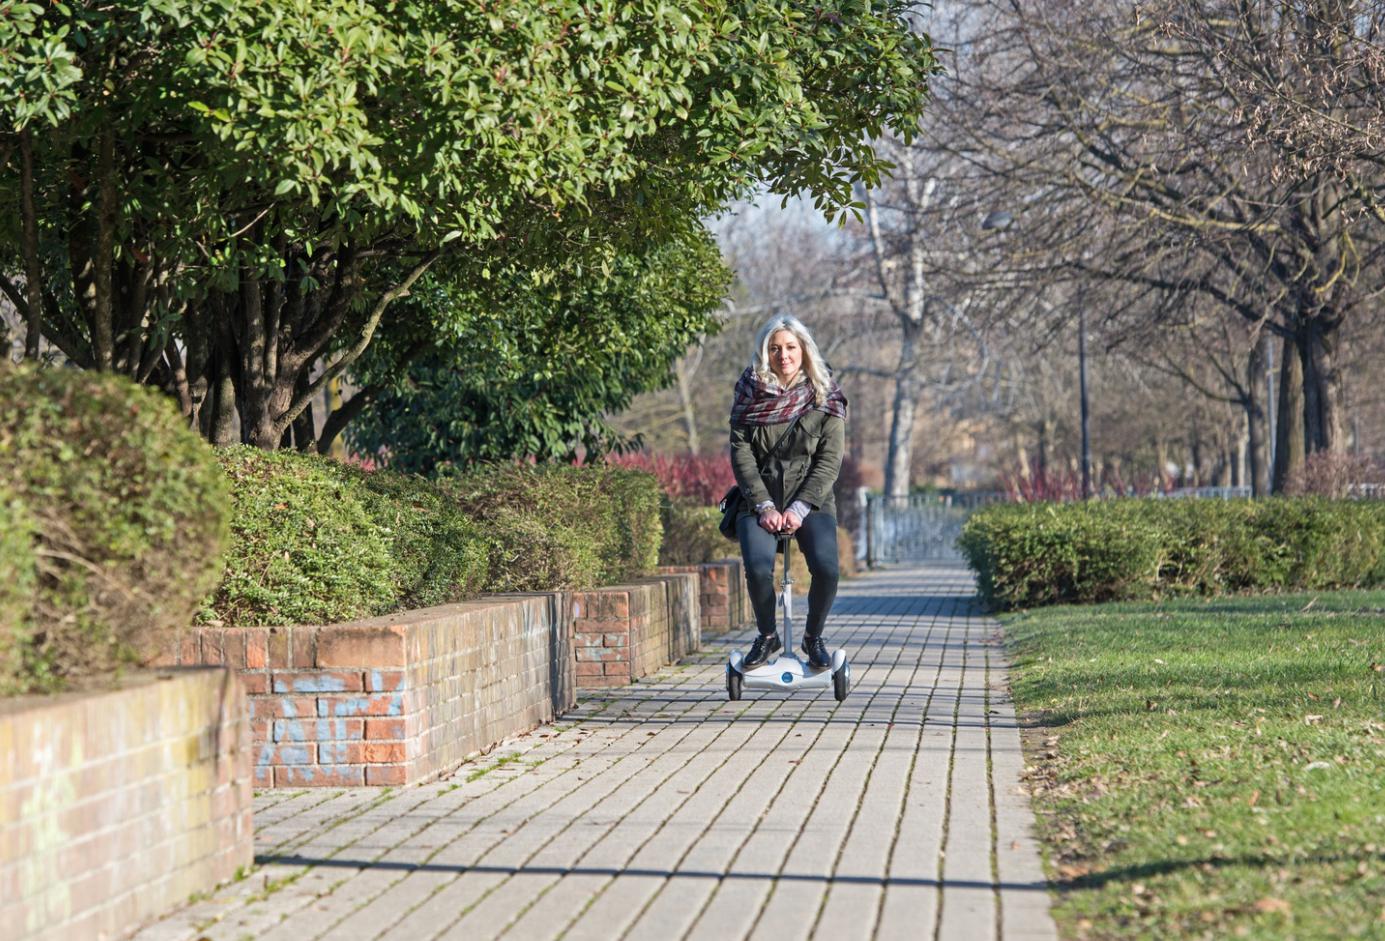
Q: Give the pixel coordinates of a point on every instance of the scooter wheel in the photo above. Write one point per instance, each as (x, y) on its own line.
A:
(733, 684)
(840, 684)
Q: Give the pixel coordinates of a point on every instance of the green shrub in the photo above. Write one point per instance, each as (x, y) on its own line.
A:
(17, 578)
(439, 554)
(554, 526)
(1027, 555)
(128, 513)
(314, 541)
(1045, 553)
(304, 547)
(637, 528)
(691, 535)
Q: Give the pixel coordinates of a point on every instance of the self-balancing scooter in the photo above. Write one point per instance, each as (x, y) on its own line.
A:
(788, 672)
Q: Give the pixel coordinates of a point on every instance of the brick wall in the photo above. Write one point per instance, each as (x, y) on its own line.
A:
(116, 806)
(722, 597)
(397, 699)
(624, 632)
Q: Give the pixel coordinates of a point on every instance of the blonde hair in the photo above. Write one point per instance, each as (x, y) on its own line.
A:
(813, 366)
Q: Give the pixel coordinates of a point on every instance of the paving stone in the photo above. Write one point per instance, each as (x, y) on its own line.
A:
(660, 810)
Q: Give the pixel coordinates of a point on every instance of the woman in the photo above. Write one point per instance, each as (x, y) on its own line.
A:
(788, 393)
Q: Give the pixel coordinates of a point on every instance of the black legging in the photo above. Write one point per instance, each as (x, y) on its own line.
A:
(817, 539)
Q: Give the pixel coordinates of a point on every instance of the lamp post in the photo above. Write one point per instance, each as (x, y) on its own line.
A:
(1000, 219)
(1082, 394)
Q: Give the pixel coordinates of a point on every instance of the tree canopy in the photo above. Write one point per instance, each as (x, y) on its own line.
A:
(224, 197)
(535, 378)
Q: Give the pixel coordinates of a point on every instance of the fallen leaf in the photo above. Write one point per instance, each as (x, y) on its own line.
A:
(1317, 765)
(1254, 798)
(1270, 904)
(1312, 719)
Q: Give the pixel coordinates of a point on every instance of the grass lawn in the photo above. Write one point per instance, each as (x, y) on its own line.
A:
(1210, 768)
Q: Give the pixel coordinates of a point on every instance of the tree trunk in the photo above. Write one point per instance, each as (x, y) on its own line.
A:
(1022, 459)
(1224, 472)
(1041, 455)
(223, 418)
(261, 427)
(898, 462)
(304, 428)
(1322, 389)
(685, 400)
(341, 416)
(1289, 423)
(33, 274)
(1257, 441)
(103, 309)
(1194, 478)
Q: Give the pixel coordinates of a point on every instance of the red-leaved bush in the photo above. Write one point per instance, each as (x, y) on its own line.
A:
(1062, 485)
(1337, 476)
(688, 478)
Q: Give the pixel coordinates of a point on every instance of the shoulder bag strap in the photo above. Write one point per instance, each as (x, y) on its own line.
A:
(775, 447)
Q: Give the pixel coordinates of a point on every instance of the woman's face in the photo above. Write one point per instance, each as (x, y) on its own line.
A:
(785, 356)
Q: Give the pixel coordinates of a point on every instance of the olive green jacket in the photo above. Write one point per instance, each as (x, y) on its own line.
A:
(803, 468)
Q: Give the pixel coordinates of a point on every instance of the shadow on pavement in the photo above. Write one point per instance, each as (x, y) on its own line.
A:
(388, 866)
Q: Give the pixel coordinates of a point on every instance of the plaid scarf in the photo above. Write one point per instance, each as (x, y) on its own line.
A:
(758, 402)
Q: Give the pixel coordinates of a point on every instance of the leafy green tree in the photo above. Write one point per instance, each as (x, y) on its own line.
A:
(224, 197)
(530, 370)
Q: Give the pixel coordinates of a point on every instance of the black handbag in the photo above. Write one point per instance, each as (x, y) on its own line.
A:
(733, 503)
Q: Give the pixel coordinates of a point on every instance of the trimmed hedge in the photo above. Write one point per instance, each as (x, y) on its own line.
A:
(554, 527)
(314, 541)
(441, 554)
(1027, 555)
(691, 535)
(127, 510)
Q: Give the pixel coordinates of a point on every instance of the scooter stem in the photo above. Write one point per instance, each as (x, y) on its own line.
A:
(786, 594)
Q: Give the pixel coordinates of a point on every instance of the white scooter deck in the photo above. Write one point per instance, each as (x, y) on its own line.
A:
(789, 672)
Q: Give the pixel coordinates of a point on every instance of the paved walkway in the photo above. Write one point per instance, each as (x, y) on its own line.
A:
(663, 811)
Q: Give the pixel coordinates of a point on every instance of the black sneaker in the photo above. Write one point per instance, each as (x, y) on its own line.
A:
(818, 657)
(760, 650)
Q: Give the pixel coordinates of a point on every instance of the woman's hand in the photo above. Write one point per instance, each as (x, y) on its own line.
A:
(789, 523)
(771, 520)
